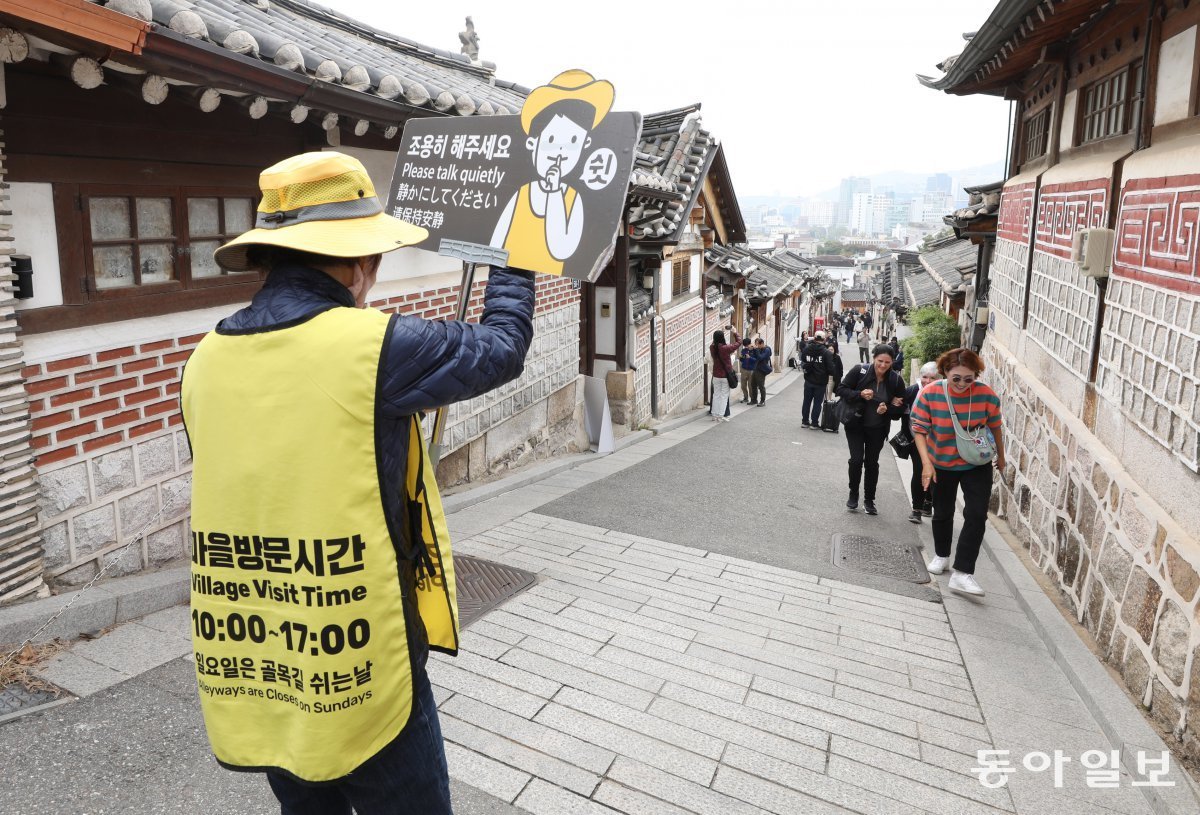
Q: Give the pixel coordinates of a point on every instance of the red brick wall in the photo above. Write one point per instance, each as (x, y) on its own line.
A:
(89, 402)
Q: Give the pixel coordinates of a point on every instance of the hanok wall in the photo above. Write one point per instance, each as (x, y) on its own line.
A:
(1098, 378)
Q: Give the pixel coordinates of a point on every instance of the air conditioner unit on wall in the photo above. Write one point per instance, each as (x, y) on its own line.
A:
(1092, 251)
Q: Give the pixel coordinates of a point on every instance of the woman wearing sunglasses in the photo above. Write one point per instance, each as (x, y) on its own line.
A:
(956, 422)
(875, 392)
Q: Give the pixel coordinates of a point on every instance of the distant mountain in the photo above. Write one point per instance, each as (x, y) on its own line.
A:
(901, 182)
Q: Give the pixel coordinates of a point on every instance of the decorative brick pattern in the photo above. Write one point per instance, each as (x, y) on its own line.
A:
(1006, 284)
(1016, 212)
(1062, 310)
(1064, 209)
(641, 394)
(682, 360)
(1129, 572)
(1157, 232)
(1149, 364)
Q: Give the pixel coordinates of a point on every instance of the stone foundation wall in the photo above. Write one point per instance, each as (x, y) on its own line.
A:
(1127, 568)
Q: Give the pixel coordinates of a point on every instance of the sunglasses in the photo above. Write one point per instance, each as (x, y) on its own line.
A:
(958, 380)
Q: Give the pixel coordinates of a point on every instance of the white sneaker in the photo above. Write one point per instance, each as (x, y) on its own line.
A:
(724, 418)
(937, 565)
(965, 584)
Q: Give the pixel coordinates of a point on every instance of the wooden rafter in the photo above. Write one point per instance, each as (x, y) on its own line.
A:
(82, 19)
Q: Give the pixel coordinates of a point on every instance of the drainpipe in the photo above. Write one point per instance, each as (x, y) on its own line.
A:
(654, 343)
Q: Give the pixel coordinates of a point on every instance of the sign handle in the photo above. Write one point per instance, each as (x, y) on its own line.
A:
(472, 255)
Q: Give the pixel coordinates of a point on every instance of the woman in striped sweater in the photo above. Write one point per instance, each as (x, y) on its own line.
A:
(975, 405)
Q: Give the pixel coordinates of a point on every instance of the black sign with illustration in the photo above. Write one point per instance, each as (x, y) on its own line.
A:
(548, 185)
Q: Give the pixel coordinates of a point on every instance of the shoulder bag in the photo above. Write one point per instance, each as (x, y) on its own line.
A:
(978, 446)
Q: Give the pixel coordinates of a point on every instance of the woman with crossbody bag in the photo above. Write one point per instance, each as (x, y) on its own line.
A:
(956, 422)
(723, 376)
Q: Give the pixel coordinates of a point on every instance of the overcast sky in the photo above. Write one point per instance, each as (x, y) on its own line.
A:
(801, 93)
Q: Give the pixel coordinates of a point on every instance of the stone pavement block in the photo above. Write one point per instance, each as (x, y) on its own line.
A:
(624, 741)
(783, 622)
(147, 593)
(964, 720)
(482, 773)
(473, 642)
(904, 655)
(729, 588)
(580, 679)
(508, 752)
(820, 610)
(531, 734)
(1051, 706)
(507, 674)
(479, 548)
(541, 798)
(638, 618)
(943, 740)
(681, 736)
(680, 594)
(855, 710)
(562, 622)
(1035, 794)
(540, 601)
(789, 729)
(811, 660)
(79, 676)
(817, 784)
(656, 569)
(536, 540)
(624, 799)
(939, 677)
(594, 664)
(906, 642)
(174, 620)
(631, 628)
(489, 628)
(692, 797)
(698, 620)
(132, 649)
(84, 612)
(806, 677)
(441, 695)
(961, 704)
(773, 576)
(676, 669)
(734, 732)
(455, 679)
(958, 606)
(864, 599)
(524, 625)
(1011, 727)
(999, 626)
(898, 742)
(601, 592)
(914, 793)
(764, 607)
(769, 797)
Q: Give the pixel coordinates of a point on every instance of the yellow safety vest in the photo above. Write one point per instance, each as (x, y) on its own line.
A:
(526, 240)
(297, 608)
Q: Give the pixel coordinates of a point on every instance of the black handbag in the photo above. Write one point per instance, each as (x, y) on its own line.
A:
(903, 444)
(846, 412)
(731, 378)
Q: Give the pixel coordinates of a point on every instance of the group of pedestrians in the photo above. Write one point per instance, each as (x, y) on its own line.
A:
(753, 362)
(950, 421)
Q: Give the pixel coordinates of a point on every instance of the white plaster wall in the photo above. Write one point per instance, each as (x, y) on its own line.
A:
(1066, 133)
(34, 234)
(694, 279)
(606, 327)
(1174, 87)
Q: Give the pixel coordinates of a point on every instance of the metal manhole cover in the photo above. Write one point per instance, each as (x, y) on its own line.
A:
(483, 585)
(17, 699)
(859, 553)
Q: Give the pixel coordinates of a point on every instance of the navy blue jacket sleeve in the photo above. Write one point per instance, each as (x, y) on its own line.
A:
(431, 363)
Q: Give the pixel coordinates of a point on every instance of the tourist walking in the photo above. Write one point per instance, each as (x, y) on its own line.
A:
(864, 345)
(723, 369)
(762, 367)
(922, 497)
(956, 421)
(876, 392)
(817, 364)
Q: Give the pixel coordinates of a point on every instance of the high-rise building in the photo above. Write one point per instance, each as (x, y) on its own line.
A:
(861, 220)
(939, 183)
(852, 186)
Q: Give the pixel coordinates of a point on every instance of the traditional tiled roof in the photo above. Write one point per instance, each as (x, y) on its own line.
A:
(920, 289)
(765, 277)
(981, 211)
(640, 301)
(713, 298)
(854, 294)
(947, 261)
(672, 158)
(832, 260)
(329, 47)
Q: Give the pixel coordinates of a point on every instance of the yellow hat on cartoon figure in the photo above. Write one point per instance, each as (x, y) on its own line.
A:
(572, 84)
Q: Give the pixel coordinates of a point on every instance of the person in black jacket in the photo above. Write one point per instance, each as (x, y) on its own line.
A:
(922, 498)
(878, 393)
(817, 363)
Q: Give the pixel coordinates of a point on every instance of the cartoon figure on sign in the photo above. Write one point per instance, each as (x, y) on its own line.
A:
(543, 222)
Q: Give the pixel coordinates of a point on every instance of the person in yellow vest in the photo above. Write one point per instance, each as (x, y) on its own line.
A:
(321, 568)
(542, 223)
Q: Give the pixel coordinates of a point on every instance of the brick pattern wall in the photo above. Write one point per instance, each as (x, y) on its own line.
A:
(21, 557)
(113, 460)
(685, 352)
(1149, 364)
(641, 382)
(1062, 311)
(1006, 282)
(1130, 572)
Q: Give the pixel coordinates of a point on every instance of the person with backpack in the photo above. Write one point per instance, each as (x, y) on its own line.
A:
(876, 394)
(720, 351)
(817, 364)
(762, 367)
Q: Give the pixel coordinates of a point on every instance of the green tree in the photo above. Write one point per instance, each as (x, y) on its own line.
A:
(934, 333)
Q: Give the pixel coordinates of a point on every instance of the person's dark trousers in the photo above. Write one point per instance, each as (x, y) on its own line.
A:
(976, 484)
(865, 444)
(919, 494)
(758, 388)
(814, 395)
(408, 777)
(863, 354)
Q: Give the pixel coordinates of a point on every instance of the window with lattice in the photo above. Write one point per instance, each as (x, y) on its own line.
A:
(1113, 105)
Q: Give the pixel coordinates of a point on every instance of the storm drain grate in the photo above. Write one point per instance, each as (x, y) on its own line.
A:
(902, 561)
(16, 699)
(483, 585)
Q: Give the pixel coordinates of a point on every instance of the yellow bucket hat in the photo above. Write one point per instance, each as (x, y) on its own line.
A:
(324, 203)
(572, 84)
